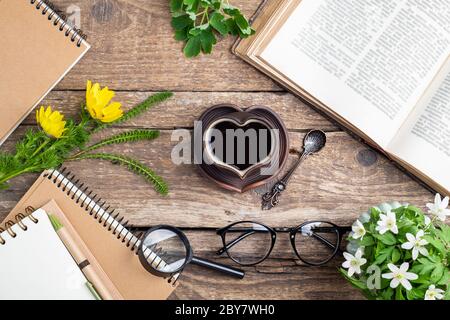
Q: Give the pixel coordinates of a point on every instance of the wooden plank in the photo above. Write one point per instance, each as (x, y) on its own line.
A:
(282, 276)
(133, 49)
(338, 184)
(185, 107)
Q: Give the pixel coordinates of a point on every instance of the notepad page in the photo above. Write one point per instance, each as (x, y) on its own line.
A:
(36, 265)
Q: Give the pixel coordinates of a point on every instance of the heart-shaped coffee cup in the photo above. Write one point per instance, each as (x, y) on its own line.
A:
(262, 140)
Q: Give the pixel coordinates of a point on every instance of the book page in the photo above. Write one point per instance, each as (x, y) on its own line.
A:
(424, 140)
(369, 60)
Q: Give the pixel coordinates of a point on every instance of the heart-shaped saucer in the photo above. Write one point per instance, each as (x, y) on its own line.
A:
(242, 148)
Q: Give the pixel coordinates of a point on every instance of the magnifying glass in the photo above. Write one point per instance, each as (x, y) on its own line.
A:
(165, 251)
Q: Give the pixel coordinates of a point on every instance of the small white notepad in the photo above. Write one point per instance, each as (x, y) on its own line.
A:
(36, 265)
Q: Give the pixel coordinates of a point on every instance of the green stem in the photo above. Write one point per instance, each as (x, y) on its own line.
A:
(15, 174)
(205, 14)
(40, 147)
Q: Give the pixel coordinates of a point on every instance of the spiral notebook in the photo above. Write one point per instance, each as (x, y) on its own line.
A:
(38, 48)
(36, 265)
(103, 232)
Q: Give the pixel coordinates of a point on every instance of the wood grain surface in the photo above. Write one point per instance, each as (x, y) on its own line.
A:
(133, 52)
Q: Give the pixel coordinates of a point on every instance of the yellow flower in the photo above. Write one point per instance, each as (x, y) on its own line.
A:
(52, 122)
(97, 103)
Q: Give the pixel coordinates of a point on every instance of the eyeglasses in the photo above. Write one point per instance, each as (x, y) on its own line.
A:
(249, 243)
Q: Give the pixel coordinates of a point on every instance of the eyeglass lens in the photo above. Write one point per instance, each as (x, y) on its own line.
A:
(248, 243)
(316, 242)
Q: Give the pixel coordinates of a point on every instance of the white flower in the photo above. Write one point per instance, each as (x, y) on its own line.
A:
(354, 263)
(358, 230)
(439, 207)
(387, 222)
(417, 244)
(426, 221)
(434, 293)
(400, 276)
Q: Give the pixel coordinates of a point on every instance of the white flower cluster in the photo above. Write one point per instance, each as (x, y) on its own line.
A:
(416, 243)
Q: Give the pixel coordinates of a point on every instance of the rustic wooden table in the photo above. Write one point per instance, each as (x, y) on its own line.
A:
(133, 52)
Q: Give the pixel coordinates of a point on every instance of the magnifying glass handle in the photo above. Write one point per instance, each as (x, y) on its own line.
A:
(234, 272)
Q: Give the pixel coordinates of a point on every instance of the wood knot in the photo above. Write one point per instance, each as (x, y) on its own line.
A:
(367, 157)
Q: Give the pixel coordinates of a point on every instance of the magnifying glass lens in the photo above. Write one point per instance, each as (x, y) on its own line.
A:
(164, 251)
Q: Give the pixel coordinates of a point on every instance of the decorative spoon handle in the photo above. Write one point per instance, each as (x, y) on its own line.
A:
(271, 198)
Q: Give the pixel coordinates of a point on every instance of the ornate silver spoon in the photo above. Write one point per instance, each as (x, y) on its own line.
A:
(314, 141)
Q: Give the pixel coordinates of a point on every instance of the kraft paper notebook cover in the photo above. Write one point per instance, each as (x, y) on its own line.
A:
(37, 49)
(394, 95)
(96, 227)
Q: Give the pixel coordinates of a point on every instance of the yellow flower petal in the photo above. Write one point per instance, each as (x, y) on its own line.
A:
(98, 103)
(51, 122)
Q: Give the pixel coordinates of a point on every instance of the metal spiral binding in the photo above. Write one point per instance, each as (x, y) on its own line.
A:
(49, 9)
(19, 221)
(93, 205)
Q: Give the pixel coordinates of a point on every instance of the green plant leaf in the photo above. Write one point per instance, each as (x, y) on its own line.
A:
(425, 268)
(133, 165)
(193, 47)
(207, 39)
(243, 24)
(182, 22)
(399, 294)
(367, 240)
(436, 243)
(437, 273)
(176, 5)
(384, 255)
(445, 280)
(232, 27)
(388, 238)
(396, 255)
(130, 136)
(192, 5)
(218, 23)
(181, 35)
(387, 294)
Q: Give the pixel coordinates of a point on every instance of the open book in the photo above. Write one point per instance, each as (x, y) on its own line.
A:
(379, 67)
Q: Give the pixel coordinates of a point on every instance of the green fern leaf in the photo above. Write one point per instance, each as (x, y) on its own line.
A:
(133, 165)
(139, 109)
(130, 136)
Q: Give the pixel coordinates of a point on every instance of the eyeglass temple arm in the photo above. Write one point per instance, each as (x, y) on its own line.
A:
(235, 241)
(234, 272)
(325, 241)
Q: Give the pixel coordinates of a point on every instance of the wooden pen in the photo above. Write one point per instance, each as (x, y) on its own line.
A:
(80, 259)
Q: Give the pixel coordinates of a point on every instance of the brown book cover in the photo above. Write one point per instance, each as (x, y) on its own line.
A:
(37, 50)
